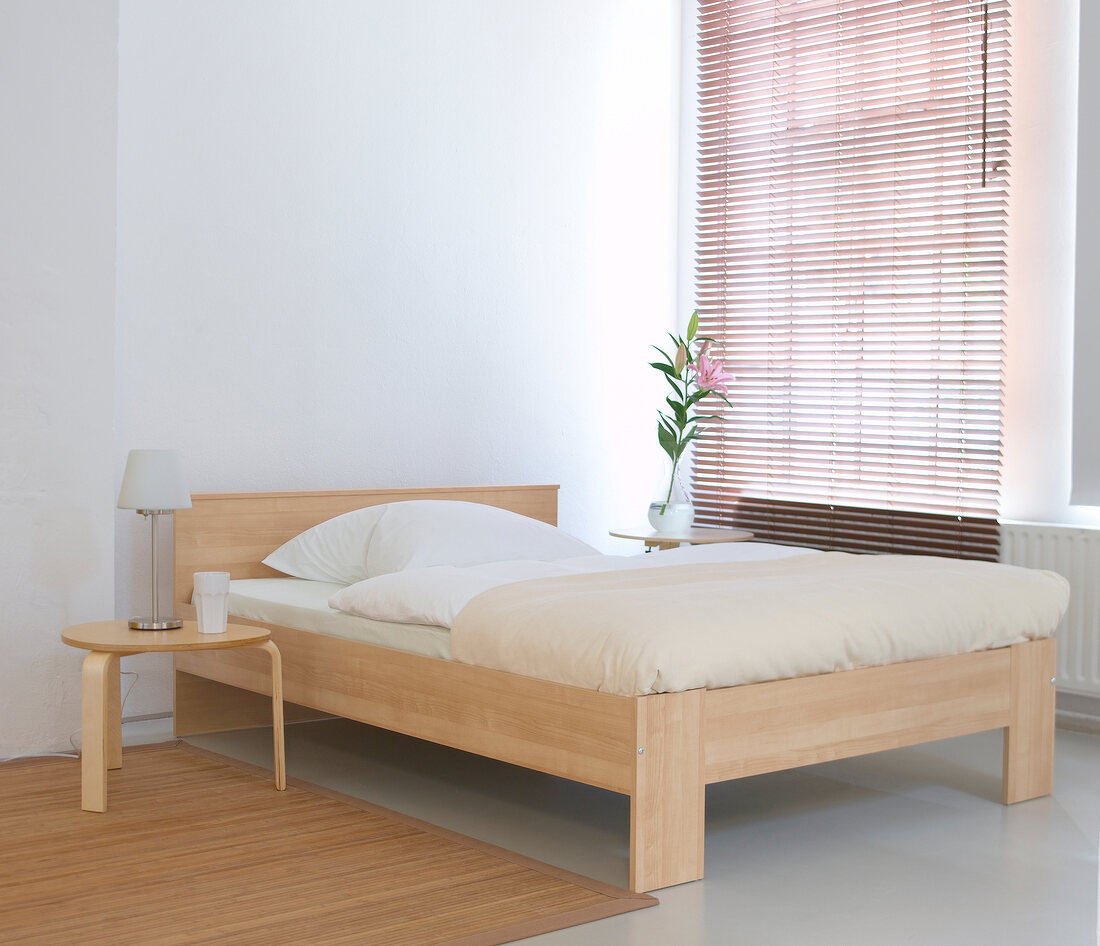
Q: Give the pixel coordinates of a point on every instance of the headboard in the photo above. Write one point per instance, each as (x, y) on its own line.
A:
(234, 532)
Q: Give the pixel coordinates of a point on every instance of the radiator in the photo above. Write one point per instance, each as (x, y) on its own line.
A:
(1075, 553)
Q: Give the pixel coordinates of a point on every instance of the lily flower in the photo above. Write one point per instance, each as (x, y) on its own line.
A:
(711, 375)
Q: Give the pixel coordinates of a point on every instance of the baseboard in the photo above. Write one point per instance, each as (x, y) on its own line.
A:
(149, 730)
(1078, 712)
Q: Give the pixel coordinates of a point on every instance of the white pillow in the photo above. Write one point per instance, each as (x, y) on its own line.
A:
(335, 550)
(420, 533)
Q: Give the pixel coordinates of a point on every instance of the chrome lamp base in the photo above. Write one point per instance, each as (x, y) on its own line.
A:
(155, 624)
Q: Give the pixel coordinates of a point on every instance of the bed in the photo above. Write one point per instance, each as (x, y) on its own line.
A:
(660, 749)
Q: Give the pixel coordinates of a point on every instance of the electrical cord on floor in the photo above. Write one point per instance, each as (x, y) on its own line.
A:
(75, 754)
(40, 755)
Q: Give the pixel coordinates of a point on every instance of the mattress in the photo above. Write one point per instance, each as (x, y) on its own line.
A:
(302, 604)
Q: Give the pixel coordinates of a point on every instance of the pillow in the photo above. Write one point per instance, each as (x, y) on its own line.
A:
(419, 533)
(335, 550)
(426, 532)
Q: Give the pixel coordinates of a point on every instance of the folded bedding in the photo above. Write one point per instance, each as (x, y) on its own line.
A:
(728, 623)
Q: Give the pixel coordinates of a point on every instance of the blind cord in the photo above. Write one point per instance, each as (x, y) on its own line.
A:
(985, 89)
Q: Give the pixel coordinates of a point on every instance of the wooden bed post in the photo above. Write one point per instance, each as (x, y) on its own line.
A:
(1029, 735)
(667, 805)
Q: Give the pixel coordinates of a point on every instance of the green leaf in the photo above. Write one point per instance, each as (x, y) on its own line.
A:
(667, 439)
(693, 325)
(669, 426)
(667, 369)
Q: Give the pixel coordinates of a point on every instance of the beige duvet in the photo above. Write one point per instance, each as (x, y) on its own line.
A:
(721, 624)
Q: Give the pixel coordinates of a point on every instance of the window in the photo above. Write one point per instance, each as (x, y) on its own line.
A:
(850, 265)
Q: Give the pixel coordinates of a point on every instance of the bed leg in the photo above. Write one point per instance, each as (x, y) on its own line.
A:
(1029, 736)
(667, 806)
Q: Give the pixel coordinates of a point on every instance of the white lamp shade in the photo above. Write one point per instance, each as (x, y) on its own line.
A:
(154, 480)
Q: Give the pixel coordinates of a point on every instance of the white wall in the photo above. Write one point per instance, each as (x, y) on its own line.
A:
(372, 243)
(58, 62)
(1086, 402)
(1040, 338)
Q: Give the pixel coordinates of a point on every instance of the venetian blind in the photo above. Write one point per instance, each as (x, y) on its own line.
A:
(850, 266)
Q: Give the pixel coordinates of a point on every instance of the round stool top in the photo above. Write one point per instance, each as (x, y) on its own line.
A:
(117, 637)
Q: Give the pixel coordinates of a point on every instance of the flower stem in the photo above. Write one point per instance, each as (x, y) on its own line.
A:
(671, 480)
(675, 459)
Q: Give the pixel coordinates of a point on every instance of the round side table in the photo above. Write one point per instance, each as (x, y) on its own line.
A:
(101, 706)
(699, 535)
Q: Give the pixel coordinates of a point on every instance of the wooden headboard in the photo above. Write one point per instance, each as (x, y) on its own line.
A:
(234, 532)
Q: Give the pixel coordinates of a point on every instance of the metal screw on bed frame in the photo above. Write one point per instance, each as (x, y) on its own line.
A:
(1052, 679)
(641, 750)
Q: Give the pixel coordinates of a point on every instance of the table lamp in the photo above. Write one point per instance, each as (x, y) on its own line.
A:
(154, 485)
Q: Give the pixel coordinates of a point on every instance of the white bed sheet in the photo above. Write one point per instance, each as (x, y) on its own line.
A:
(296, 602)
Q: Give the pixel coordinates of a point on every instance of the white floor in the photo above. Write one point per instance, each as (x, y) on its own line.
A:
(909, 846)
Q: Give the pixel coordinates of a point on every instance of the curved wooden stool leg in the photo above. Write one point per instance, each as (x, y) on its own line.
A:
(114, 713)
(277, 712)
(96, 720)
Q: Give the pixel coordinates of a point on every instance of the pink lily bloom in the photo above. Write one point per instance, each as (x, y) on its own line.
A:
(711, 375)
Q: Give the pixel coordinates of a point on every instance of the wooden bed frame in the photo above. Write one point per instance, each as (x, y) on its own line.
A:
(660, 749)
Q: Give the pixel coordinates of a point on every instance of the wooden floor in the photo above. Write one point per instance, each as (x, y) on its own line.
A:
(194, 849)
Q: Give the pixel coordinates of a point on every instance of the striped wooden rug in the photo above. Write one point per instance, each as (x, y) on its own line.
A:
(196, 848)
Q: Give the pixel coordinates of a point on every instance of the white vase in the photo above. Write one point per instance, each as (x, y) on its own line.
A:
(672, 513)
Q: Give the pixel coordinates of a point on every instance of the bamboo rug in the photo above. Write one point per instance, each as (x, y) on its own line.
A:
(196, 848)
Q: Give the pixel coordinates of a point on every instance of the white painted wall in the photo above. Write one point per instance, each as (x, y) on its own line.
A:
(373, 243)
(1086, 403)
(1040, 336)
(58, 62)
